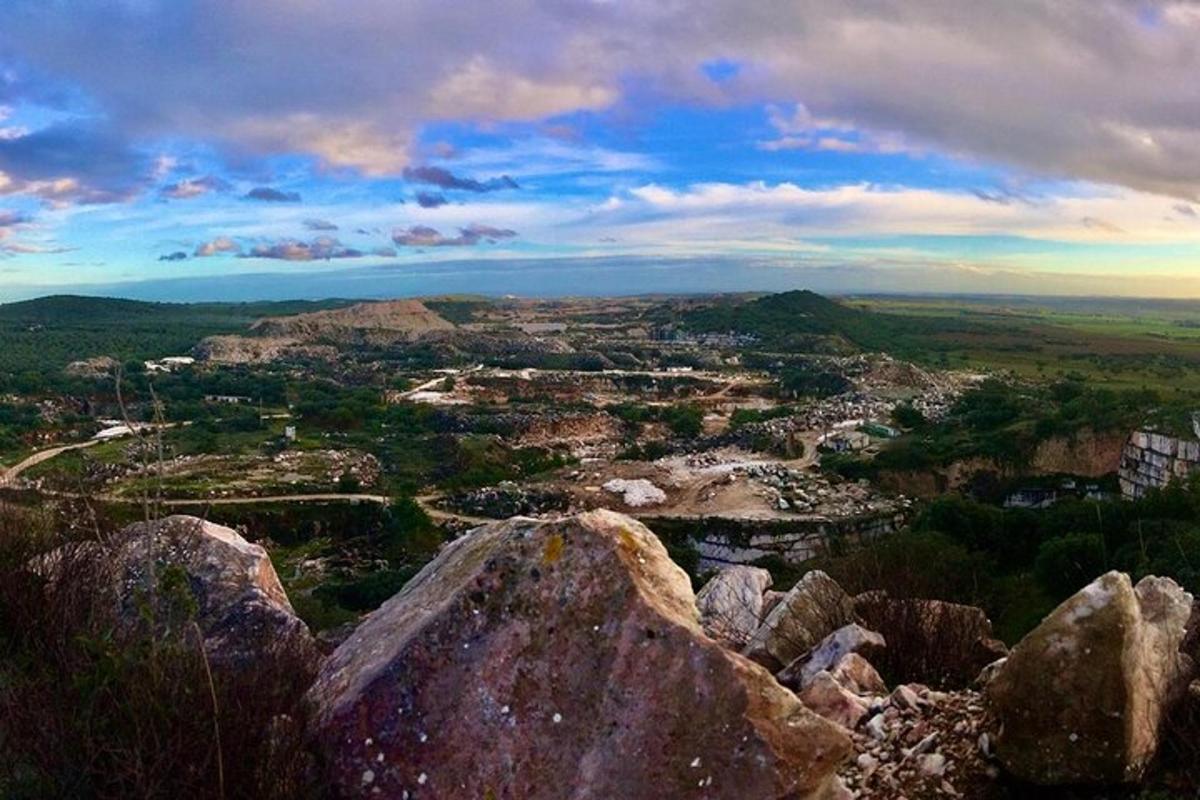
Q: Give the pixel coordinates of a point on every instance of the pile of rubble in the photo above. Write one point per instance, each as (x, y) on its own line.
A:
(509, 499)
(636, 493)
(336, 465)
(802, 491)
(1082, 699)
(920, 743)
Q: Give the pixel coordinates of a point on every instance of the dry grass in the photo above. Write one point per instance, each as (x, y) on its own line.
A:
(89, 710)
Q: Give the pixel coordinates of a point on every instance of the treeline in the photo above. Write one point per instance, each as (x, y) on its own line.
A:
(38, 338)
(1019, 563)
(1004, 421)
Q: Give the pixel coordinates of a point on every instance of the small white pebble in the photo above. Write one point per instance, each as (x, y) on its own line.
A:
(557, 718)
(696, 762)
(422, 778)
(504, 709)
(379, 758)
(424, 737)
(368, 777)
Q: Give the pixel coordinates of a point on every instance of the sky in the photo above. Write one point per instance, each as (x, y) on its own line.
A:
(220, 148)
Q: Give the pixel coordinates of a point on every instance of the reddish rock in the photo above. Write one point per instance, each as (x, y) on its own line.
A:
(826, 697)
(855, 673)
(541, 660)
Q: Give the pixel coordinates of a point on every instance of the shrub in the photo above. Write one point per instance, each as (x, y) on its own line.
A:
(1066, 564)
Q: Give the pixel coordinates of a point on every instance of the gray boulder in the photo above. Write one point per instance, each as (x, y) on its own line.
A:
(815, 607)
(208, 574)
(1081, 699)
(731, 604)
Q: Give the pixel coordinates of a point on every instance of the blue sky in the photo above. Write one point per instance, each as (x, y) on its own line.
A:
(1036, 147)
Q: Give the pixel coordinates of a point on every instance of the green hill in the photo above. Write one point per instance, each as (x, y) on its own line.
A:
(794, 319)
(40, 337)
(806, 321)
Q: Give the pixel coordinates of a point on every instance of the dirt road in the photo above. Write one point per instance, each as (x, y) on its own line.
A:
(8, 476)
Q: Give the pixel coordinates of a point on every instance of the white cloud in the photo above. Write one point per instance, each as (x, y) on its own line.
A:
(1098, 90)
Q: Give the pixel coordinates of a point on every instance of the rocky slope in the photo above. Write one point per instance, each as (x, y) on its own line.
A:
(376, 323)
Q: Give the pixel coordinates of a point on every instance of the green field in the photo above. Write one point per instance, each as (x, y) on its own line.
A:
(1119, 344)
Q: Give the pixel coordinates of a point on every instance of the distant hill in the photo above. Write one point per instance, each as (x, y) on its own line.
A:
(804, 320)
(42, 336)
(785, 319)
(383, 321)
(73, 310)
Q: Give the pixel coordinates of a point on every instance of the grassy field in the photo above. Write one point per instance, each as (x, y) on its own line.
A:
(1117, 344)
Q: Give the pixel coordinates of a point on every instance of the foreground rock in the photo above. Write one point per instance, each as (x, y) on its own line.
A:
(1082, 697)
(559, 659)
(815, 607)
(239, 605)
(731, 604)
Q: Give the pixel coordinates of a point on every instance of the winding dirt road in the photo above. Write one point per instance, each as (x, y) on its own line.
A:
(8, 476)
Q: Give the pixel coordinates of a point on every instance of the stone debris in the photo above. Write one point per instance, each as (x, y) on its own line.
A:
(929, 748)
(636, 493)
(544, 660)
(510, 499)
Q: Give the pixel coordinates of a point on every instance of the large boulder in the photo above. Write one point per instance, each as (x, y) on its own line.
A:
(1082, 697)
(188, 568)
(557, 659)
(815, 607)
(731, 604)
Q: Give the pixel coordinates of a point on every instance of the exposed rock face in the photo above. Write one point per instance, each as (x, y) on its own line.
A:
(92, 368)
(559, 659)
(815, 607)
(825, 655)
(731, 604)
(378, 323)
(1152, 460)
(241, 607)
(1081, 698)
(258, 350)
